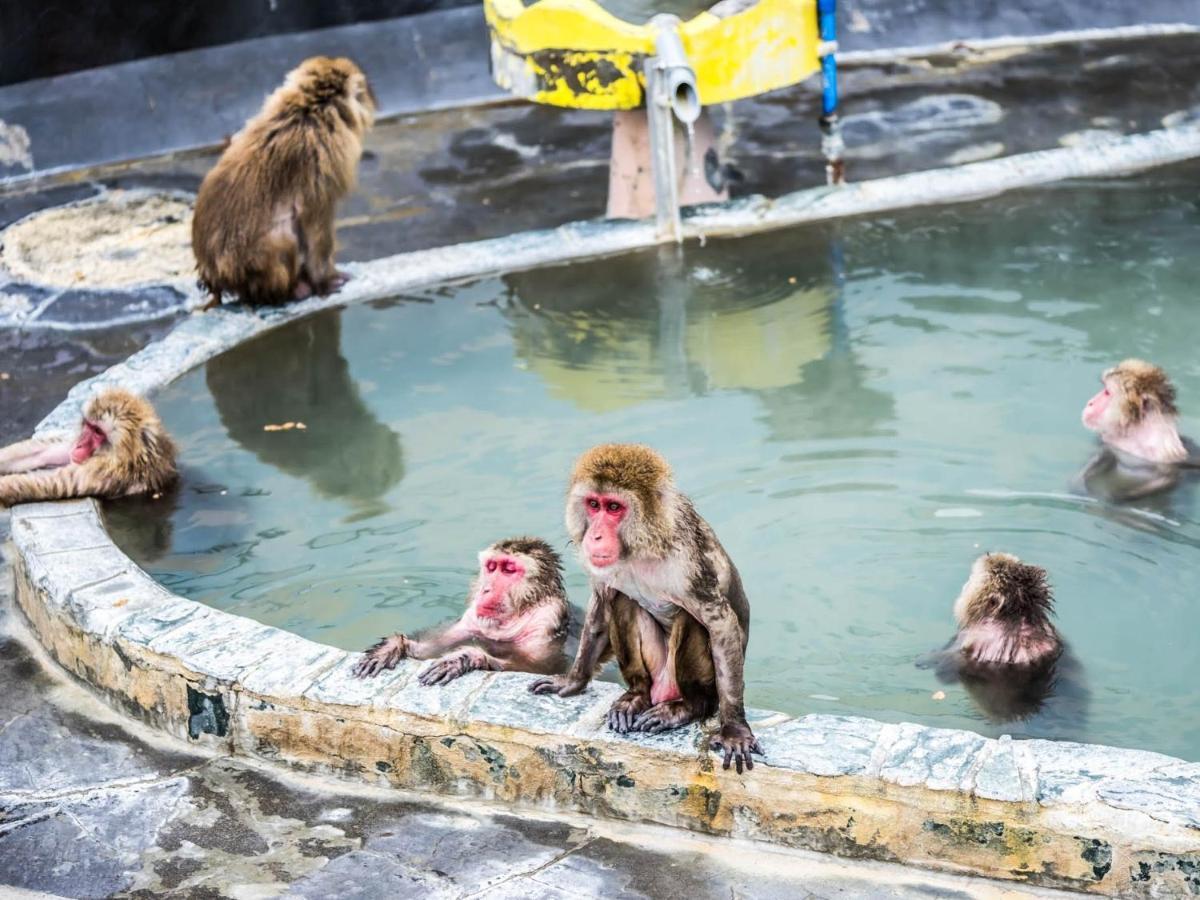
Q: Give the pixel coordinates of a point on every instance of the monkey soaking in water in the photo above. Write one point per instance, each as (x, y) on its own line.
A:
(1137, 420)
(1007, 652)
(666, 600)
(263, 225)
(516, 620)
(121, 449)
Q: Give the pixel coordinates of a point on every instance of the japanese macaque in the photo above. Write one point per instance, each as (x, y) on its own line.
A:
(1007, 649)
(121, 449)
(1135, 415)
(666, 601)
(516, 620)
(1003, 614)
(263, 225)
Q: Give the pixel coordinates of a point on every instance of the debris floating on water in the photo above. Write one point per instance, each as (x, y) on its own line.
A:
(939, 695)
(286, 426)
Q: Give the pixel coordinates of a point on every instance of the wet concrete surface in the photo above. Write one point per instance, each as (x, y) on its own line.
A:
(91, 806)
(468, 174)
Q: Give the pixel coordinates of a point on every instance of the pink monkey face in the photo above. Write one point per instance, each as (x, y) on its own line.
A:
(602, 542)
(498, 574)
(1096, 412)
(91, 436)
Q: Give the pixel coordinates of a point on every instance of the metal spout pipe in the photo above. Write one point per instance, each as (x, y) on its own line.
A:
(679, 77)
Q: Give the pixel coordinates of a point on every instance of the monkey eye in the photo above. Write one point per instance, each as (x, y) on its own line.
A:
(491, 565)
(614, 506)
(508, 568)
(593, 503)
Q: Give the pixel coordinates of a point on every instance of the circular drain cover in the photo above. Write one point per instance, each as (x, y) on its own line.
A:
(118, 240)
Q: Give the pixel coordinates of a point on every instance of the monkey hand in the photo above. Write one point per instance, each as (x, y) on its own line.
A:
(563, 685)
(383, 655)
(737, 742)
(447, 669)
(625, 710)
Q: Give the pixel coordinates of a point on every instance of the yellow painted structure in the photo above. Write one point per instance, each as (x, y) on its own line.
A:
(575, 53)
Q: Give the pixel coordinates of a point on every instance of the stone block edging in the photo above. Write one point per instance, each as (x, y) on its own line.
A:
(1100, 819)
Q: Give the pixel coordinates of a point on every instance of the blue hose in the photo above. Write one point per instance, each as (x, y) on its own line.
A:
(831, 128)
(827, 25)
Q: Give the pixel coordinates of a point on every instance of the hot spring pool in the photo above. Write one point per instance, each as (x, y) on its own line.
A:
(859, 410)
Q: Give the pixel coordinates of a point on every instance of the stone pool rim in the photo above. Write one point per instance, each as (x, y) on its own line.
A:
(1088, 817)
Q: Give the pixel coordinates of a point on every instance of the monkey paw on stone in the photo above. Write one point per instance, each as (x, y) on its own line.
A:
(383, 655)
(447, 669)
(664, 716)
(625, 710)
(562, 685)
(737, 742)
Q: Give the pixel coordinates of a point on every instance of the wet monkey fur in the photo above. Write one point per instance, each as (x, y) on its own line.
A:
(1007, 652)
(1136, 417)
(1004, 614)
(263, 228)
(666, 601)
(121, 448)
(516, 620)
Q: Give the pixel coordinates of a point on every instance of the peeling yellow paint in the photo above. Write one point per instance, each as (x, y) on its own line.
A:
(575, 53)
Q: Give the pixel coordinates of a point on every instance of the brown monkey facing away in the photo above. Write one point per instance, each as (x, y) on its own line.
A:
(1007, 650)
(121, 449)
(666, 600)
(1137, 420)
(263, 224)
(516, 620)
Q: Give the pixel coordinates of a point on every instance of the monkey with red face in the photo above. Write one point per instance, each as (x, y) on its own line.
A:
(516, 620)
(666, 600)
(1137, 420)
(121, 449)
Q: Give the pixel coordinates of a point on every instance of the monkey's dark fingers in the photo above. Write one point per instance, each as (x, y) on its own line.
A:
(651, 726)
(367, 667)
(728, 756)
(756, 747)
(744, 754)
(543, 686)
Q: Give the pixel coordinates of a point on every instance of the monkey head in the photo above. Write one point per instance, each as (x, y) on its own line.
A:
(122, 430)
(1135, 412)
(515, 574)
(340, 83)
(1001, 586)
(620, 505)
(1004, 611)
(1132, 392)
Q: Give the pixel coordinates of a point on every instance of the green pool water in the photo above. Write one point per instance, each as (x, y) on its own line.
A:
(858, 409)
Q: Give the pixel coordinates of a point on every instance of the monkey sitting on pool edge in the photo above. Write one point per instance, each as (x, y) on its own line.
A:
(121, 449)
(666, 600)
(516, 620)
(263, 228)
(1007, 652)
(1136, 418)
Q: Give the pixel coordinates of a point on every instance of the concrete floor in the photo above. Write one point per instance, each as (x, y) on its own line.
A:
(93, 806)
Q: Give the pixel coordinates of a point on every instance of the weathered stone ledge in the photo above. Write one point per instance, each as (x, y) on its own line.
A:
(1099, 819)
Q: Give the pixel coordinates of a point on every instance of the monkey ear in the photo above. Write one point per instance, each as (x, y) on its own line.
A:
(1149, 404)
